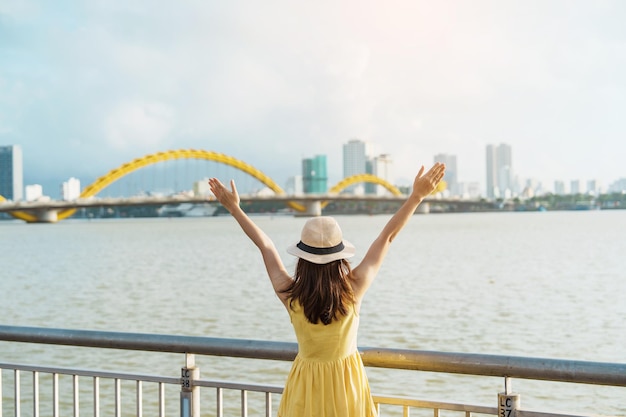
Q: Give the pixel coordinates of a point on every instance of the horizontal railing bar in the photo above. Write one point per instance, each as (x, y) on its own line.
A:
(238, 386)
(91, 373)
(434, 405)
(561, 370)
(526, 413)
(599, 373)
(241, 348)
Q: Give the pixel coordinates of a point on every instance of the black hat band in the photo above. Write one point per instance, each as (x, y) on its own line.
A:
(320, 251)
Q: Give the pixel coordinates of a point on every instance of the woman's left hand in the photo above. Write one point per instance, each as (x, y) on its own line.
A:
(229, 199)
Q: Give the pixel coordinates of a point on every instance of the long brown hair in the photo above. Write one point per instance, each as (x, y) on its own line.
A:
(323, 290)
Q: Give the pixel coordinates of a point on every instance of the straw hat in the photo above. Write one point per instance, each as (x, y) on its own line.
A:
(321, 242)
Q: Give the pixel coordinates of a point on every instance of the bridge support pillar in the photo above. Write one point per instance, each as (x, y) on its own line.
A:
(423, 208)
(46, 216)
(313, 209)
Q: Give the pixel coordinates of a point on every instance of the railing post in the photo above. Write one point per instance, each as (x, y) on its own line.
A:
(508, 402)
(16, 389)
(189, 394)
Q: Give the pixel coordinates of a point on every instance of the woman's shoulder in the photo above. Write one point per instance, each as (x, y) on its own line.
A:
(294, 306)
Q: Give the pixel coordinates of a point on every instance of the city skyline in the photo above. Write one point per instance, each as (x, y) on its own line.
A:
(85, 88)
(358, 157)
(479, 187)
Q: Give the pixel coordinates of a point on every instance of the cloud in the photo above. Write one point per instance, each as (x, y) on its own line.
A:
(139, 125)
(278, 80)
(19, 9)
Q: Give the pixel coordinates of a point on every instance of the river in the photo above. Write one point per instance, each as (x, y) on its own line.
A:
(548, 284)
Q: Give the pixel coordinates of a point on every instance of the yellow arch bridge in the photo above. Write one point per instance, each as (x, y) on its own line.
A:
(138, 163)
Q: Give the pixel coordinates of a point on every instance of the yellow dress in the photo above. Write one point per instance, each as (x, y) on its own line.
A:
(327, 378)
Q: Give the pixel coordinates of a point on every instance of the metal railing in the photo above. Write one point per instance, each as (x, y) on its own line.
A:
(188, 383)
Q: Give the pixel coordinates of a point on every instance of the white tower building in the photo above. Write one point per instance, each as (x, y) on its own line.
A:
(34, 192)
(381, 167)
(70, 190)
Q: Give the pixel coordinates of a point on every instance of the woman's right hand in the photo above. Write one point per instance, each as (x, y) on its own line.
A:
(425, 184)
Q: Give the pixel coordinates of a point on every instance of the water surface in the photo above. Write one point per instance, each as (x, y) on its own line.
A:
(525, 284)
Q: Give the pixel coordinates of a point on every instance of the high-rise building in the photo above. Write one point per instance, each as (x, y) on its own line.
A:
(451, 175)
(618, 186)
(70, 189)
(294, 185)
(500, 178)
(575, 187)
(11, 173)
(490, 158)
(354, 160)
(559, 187)
(314, 175)
(594, 187)
(379, 166)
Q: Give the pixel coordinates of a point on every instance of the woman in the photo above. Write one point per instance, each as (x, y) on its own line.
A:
(323, 299)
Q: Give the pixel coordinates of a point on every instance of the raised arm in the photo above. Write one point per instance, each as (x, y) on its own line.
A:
(424, 184)
(273, 264)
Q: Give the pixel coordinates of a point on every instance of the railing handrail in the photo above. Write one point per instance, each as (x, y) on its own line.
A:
(562, 370)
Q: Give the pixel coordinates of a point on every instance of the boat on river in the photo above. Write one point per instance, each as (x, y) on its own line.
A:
(188, 210)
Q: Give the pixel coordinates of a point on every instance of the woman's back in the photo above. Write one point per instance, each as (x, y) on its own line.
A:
(319, 342)
(327, 378)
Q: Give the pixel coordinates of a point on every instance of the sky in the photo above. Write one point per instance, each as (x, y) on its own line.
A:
(86, 86)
